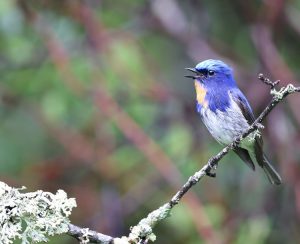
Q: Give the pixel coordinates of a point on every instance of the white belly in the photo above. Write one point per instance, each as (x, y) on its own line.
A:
(225, 126)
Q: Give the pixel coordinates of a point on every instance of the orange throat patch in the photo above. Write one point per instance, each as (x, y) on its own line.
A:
(201, 93)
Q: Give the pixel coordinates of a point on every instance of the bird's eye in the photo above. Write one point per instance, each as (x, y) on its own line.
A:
(211, 72)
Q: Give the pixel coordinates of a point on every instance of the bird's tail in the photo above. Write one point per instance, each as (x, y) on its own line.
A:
(263, 162)
(271, 173)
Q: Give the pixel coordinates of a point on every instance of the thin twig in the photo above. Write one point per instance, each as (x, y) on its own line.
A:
(93, 236)
(267, 81)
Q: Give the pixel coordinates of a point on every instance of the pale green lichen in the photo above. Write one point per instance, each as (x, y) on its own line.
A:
(278, 95)
(32, 216)
(84, 239)
(252, 136)
(122, 240)
(144, 228)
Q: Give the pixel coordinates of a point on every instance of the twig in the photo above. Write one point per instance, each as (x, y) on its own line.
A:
(267, 81)
(90, 235)
(142, 232)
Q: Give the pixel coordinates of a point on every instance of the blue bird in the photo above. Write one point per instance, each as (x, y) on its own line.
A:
(226, 113)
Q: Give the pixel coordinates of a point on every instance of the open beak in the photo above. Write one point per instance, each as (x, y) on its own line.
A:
(191, 76)
(193, 70)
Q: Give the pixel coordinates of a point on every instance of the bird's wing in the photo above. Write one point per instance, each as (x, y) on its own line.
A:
(239, 98)
(244, 155)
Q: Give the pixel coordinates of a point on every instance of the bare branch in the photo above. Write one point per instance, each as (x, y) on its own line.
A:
(83, 234)
(267, 81)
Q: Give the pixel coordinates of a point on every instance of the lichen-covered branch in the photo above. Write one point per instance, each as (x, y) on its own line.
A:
(84, 235)
(32, 216)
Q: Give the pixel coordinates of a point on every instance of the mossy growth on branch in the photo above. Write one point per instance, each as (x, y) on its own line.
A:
(32, 216)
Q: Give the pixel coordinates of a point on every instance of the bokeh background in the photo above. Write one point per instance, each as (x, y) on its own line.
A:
(93, 101)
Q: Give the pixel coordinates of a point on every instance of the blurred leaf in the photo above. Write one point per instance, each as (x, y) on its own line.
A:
(255, 230)
(178, 141)
(21, 142)
(126, 157)
(216, 214)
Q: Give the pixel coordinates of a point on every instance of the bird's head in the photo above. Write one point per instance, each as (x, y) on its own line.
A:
(212, 73)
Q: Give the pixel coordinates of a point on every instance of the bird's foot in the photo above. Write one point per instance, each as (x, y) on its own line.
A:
(210, 174)
(260, 126)
(212, 167)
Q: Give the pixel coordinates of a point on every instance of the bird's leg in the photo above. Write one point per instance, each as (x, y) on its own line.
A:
(260, 126)
(210, 174)
(212, 167)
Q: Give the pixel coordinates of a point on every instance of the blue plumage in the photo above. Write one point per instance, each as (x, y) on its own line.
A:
(216, 85)
(226, 112)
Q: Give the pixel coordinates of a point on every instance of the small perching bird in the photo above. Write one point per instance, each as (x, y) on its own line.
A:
(227, 114)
